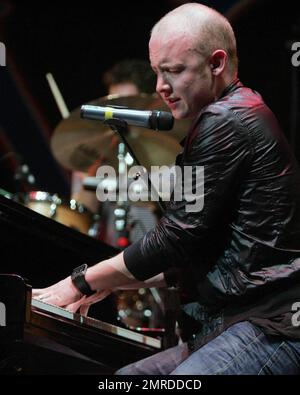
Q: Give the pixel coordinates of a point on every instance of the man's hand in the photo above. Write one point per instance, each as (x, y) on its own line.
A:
(64, 294)
(85, 302)
(104, 276)
(60, 294)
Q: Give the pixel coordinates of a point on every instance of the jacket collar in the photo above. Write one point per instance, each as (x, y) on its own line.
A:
(235, 84)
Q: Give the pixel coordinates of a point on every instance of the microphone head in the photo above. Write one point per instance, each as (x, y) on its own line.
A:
(165, 120)
(82, 111)
(161, 120)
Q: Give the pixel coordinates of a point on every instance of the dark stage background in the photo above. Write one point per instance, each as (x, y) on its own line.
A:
(77, 42)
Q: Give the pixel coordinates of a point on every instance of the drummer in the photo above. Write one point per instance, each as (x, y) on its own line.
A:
(129, 77)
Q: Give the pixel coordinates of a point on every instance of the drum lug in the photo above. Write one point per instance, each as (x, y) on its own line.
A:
(53, 209)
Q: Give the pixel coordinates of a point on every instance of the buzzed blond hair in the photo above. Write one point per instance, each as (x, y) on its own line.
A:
(209, 29)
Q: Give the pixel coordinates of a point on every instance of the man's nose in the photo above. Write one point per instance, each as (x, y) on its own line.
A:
(162, 86)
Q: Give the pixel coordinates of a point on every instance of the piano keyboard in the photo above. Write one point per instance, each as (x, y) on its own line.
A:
(124, 333)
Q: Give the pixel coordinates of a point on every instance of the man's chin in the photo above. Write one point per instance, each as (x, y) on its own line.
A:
(181, 115)
(178, 114)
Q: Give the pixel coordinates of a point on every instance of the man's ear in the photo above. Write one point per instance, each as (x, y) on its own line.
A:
(218, 60)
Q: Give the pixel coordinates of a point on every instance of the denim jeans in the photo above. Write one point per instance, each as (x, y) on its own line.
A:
(242, 349)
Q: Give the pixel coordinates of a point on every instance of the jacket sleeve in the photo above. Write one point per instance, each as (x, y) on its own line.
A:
(221, 146)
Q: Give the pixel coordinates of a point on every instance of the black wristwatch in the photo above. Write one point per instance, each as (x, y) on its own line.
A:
(78, 279)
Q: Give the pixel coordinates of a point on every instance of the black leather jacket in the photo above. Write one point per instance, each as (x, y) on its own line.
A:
(246, 239)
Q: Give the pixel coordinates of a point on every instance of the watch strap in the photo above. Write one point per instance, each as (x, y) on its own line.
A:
(79, 281)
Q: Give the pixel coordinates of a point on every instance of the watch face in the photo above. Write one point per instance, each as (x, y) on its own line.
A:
(79, 270)
(78, 280)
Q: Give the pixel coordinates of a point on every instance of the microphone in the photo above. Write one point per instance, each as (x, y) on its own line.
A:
(157, 120)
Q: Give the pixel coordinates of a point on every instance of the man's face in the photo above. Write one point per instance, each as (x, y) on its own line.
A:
(184, 79)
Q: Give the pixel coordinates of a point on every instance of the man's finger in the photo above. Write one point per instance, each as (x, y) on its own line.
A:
(84, 309)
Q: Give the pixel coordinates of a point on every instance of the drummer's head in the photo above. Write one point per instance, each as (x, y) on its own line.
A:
(130, 77)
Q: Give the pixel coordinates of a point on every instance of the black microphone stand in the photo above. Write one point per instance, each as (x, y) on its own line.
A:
(121, 127)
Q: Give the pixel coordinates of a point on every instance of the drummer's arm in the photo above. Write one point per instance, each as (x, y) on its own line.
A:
(113, 274)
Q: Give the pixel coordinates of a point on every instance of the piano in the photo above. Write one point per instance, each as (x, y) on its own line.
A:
(36, 338)
(44, 251)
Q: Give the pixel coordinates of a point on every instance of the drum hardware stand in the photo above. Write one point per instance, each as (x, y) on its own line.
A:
(95, 227)
(121, 211)
(25, 182)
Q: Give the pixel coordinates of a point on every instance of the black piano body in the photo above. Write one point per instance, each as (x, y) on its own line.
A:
(38, 251)
(37, 338)
(44, 251)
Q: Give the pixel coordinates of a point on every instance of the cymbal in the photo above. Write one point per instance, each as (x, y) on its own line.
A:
(78, 143)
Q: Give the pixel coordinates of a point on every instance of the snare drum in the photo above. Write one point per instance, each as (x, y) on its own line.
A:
(69, 213)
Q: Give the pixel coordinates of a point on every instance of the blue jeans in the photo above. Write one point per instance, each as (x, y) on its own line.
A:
(242, 349)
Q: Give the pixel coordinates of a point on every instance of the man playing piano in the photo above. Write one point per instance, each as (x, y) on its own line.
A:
(237, 261)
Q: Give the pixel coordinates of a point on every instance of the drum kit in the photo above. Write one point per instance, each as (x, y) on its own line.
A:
(83, 145)
(70, 213)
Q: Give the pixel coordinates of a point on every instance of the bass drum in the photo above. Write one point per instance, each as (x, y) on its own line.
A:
(69, 213)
